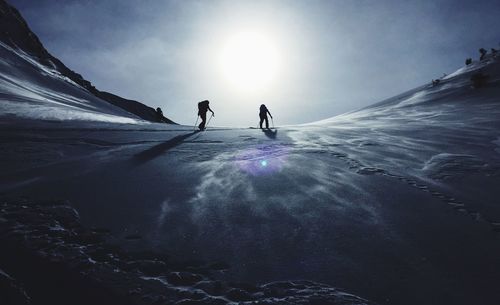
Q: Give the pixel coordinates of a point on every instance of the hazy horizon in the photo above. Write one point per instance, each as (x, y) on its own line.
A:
(306, 61)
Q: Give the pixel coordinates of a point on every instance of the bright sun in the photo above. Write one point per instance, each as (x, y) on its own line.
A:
(249, 61)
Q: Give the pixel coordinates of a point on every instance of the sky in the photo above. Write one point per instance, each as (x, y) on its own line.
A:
(306, 60)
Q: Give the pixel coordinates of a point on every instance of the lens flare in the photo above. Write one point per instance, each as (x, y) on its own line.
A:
(262, 160)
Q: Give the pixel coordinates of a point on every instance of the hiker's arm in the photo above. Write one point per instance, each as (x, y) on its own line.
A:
(211, 111)
(270, 114)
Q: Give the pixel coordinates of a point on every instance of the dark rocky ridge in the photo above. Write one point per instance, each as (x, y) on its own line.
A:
(48, 257)
(15, 32)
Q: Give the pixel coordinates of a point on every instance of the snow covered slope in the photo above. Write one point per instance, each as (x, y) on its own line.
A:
(396, 203)
(36, 85)
(28, 89)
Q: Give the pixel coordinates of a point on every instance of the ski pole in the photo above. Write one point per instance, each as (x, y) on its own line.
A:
(206, 126)
(197, 117)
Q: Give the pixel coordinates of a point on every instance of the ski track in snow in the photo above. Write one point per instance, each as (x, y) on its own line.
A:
(447, 199)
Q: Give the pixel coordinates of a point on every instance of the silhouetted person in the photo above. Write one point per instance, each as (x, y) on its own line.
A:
(483, 53)
(203, 107)
(263, 115)
(159, 114)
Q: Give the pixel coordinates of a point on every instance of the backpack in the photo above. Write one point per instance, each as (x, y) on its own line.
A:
(202, 106)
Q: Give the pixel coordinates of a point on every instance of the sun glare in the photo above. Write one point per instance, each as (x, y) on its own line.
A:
(249, 61)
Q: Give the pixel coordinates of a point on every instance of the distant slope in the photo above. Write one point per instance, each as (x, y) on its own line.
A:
(33, 83)
(478, 81)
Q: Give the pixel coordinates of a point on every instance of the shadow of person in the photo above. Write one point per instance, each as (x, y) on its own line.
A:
(271, 134)
(157, 150)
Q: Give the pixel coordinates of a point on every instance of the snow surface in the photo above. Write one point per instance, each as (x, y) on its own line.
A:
(81, 258)
(29, 89)
(396, 203)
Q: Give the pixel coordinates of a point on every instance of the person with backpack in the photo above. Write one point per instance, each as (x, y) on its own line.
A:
(263, 115)
(203, 107)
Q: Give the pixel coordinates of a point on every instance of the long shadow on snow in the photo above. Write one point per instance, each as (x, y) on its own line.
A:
(159, 149)
(270, 133)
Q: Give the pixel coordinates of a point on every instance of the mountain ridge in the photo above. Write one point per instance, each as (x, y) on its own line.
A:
(17, 34)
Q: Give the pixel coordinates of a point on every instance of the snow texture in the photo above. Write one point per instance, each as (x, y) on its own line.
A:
(53, 233)
(396, 203)
(12, 291)
(34, 84)
(388, 202)
(29, 89)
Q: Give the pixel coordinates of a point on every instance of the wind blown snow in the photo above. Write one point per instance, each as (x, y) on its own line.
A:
(401, 194)
(30, 90)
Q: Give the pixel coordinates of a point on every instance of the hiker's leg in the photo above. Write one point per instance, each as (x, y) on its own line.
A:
(261, 120)
(267, 123)
(203, 120)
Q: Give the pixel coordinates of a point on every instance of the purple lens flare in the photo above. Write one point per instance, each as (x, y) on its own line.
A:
(262, 160)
